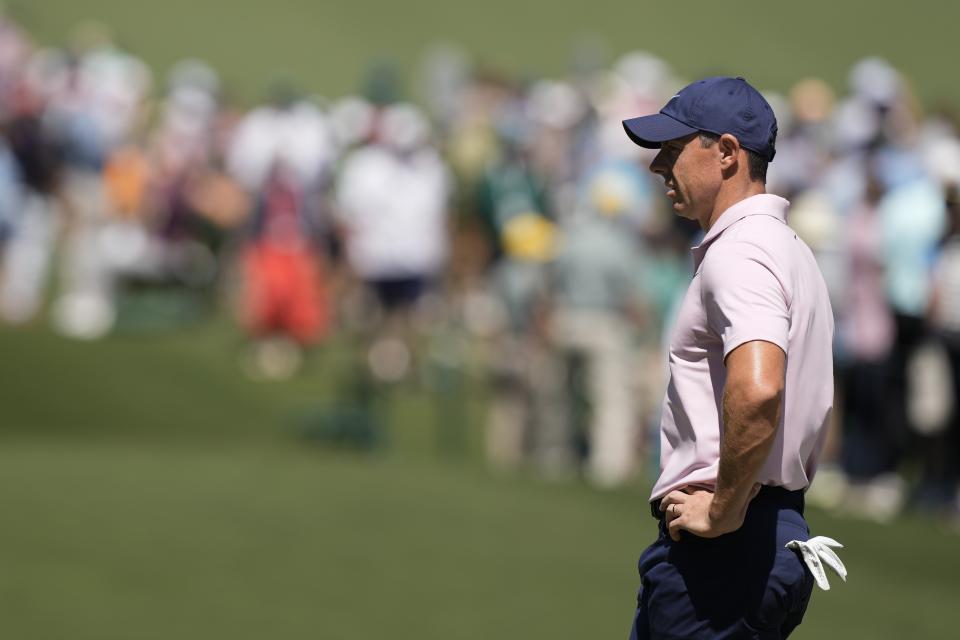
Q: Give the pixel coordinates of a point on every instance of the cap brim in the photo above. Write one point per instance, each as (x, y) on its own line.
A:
(651, 131)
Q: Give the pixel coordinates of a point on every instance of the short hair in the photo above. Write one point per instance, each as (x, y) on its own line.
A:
(756, 164)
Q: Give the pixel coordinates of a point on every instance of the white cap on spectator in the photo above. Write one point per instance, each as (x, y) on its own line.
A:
(875, 80)
(404, 127)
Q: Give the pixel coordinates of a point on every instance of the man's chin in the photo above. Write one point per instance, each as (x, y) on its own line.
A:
(682, 210)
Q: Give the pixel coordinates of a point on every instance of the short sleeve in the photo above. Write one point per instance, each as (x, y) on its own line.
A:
(742, 296)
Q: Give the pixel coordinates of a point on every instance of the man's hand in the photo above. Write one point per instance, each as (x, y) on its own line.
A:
(692, 510)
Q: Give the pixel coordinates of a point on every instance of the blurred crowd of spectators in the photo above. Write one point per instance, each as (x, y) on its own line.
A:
(502, 226)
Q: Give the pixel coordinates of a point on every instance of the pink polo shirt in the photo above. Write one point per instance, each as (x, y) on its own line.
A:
(754, 280)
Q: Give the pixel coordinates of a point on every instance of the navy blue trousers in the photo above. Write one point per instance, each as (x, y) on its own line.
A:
(744, 584)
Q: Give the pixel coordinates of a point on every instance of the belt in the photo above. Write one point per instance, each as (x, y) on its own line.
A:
(768, 495)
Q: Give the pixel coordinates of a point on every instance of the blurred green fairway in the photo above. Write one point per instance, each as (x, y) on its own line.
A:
(150, 491)
(328, 44)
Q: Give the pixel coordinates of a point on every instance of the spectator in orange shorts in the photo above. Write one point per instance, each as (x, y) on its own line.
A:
(284, 292)
(285, 303)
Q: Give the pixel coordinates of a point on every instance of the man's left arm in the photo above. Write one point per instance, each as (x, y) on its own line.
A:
(747, 308)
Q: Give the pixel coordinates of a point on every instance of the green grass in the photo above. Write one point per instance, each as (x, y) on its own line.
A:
(327, 45)
(201, 517)
(289, 544)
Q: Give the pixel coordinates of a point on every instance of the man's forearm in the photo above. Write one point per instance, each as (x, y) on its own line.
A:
(752, 403)
(750, 418)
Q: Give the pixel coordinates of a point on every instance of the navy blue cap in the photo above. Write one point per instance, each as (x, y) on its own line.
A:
(716, 105)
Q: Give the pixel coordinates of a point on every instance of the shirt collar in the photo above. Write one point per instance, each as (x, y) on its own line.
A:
(761, 204)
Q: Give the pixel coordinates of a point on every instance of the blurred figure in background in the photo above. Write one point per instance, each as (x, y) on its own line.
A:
(191, 204)
(596, 307)
(97, 96)
(912, 221)
(14, 52)
(473, 147)
(802, 144)
(10, 192)
(524, 421)
(870, 449)
(34, 229)
(283, 154)
(557, 116)
(945, 317)
(392, 201)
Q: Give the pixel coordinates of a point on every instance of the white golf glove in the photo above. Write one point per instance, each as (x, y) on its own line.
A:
(815, 553)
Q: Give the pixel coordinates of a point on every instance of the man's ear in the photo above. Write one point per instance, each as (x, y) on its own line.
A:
(729, 148)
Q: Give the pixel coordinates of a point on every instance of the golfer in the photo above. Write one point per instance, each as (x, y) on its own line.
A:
(751, 381)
